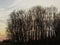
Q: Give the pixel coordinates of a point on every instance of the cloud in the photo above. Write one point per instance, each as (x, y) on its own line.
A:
(14, 3)
(23, 4)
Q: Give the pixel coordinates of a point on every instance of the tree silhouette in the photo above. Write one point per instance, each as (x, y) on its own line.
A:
(57, 26)
(15, 25)
(37, 23)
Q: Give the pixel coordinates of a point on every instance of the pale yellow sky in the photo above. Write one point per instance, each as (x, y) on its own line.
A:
(6, 6)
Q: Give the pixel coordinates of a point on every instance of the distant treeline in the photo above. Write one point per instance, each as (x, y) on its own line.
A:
(34, 24)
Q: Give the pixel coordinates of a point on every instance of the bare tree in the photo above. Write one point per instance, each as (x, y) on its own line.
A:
(36, 14)
(36, 23)
(57, 25)
(15, 25)
(49, 19)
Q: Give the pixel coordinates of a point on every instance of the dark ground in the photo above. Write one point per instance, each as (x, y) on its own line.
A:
(35, 42)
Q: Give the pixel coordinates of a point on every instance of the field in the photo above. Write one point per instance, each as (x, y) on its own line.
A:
(40, 42)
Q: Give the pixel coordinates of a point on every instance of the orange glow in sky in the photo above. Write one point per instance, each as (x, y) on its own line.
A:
(2, 32)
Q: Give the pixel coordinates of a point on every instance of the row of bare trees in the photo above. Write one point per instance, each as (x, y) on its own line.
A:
(34, 24)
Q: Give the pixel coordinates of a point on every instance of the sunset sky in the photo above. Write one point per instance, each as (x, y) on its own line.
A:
(6, 6)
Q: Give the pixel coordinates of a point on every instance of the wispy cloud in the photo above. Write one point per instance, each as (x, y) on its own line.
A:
(5, 9)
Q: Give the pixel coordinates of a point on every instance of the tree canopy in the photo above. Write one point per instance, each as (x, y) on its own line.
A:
(36, 23)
